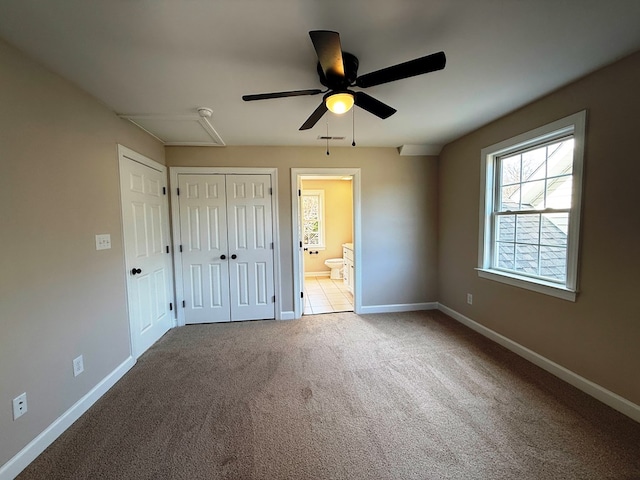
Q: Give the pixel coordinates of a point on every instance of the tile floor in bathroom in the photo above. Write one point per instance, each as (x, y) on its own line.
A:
(323, 295)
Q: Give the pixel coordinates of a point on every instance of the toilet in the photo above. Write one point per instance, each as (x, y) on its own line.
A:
(335, 264)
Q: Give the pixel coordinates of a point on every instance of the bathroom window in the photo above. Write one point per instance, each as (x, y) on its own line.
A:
(530, 208)
(313, 218)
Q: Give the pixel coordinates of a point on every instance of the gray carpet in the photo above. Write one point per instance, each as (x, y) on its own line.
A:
(340, 396)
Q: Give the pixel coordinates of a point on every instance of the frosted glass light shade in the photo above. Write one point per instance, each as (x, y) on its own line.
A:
(340, 102)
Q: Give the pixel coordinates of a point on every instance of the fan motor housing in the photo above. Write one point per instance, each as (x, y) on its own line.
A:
(351, 64)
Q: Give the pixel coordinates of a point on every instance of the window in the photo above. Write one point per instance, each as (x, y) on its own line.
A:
(313, 218)
(530, 208)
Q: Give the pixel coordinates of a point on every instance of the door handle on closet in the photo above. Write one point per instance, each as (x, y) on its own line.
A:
(223, 257)
(135, 270)
(234, 256)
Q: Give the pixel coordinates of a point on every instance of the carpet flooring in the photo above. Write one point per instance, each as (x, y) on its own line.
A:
(411, 395)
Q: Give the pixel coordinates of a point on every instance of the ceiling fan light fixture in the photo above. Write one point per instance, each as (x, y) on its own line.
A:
(339, 102)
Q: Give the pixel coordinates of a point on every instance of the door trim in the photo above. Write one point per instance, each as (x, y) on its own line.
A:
(298, 277)
(175, 220)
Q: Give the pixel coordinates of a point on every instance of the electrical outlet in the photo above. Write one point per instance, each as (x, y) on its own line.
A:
(103, 241)
(19, 406)
(78, 366)
(469, 299)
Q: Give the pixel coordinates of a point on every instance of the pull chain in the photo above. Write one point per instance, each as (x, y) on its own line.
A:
(353, 126)
(327, 138)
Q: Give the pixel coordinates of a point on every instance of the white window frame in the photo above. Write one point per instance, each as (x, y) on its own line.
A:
(574, 125)
(321, 224)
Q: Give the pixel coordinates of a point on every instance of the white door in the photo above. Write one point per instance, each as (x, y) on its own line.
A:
(300, 296)
(145, 217)
(227, 247)
(203, 239)
(250, 247)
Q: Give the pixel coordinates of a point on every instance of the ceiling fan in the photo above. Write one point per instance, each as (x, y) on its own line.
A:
(338, 71)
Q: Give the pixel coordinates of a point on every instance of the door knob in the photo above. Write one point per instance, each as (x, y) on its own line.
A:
(223, 257)
(135, 270)
(234, 256)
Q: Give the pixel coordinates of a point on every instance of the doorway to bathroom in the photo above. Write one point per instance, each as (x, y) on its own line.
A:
(326, 227)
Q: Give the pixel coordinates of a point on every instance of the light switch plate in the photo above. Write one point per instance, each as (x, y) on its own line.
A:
(103, 241)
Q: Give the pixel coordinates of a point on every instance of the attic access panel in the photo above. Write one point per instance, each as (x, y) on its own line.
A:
(178, 129)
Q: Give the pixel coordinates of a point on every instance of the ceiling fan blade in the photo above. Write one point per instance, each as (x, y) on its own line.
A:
(314, 117)
(371, 105)
(292, 93)
(329, 51)
(430, 63)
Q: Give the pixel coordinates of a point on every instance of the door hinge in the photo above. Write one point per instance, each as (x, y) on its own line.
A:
(270, 190)
(167, 248)
(164, 190)
(274, 299)
(184, 304)
(180, 248)
(300, 244)
(271, 245)
(299, 193)
(170, 306)
(301, 294)
(178, 190)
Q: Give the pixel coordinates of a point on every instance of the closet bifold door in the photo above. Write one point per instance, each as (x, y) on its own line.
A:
(227, 247)
(250, 247)
(203, 236)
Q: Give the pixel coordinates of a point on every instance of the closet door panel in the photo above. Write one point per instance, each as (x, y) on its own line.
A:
(251, 241)
(203, 231)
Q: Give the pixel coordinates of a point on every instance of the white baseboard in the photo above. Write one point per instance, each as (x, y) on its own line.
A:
(324, 273)
(28, 454)
(400, 307)
(287, 316)
(607, 397)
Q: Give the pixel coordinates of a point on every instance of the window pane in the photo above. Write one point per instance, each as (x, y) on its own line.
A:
(311, 225)
(527, 259)
(559, 192)
(510, 198)
(310, 207)
(533, 195)
(506, 228)
(528, 228)
(553, 263)
(506, 256)
(533, 164)
(510, 170)
(560, 158)
(312, 239)
(554, 229)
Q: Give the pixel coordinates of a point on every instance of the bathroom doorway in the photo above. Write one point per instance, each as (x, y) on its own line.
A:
(326, 221)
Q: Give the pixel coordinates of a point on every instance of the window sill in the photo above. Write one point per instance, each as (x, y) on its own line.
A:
(528, 284)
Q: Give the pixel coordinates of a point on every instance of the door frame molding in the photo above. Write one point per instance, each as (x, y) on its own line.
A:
(175, 221)
(296, 174)
(126, 154)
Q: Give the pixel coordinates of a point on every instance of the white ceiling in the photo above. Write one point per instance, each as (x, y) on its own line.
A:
(168, 57)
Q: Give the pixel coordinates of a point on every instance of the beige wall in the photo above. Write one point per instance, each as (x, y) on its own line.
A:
(338, 213)
(597, 336)
(59, 297)
(399, 212)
